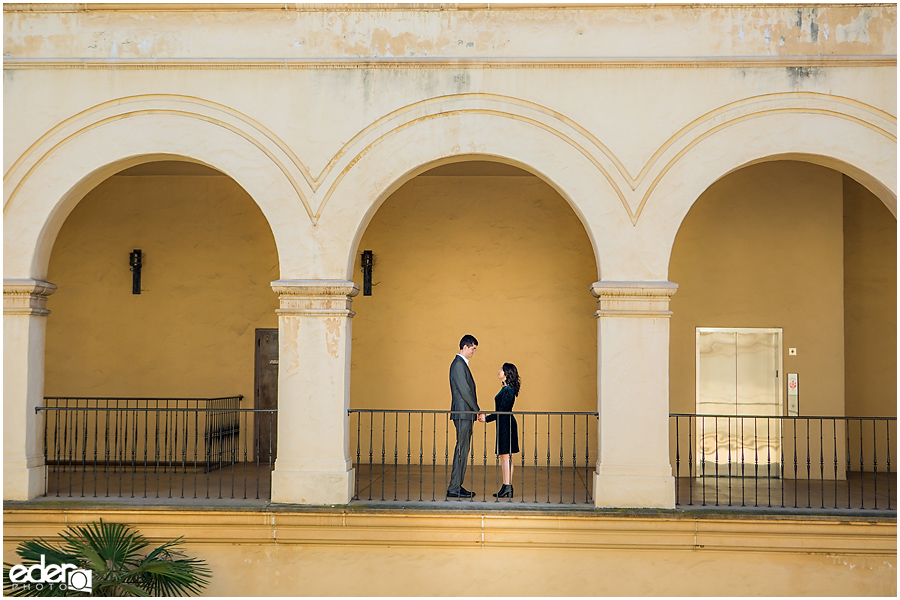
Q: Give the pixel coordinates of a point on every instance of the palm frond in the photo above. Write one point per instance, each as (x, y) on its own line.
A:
(31, 551)
(114, 554)
(114, 543)
(173, 576)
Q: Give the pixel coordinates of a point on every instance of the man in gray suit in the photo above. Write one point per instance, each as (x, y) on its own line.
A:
(462, 393)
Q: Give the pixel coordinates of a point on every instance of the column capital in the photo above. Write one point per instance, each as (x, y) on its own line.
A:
(633, 298)
(315, 297)
(26, 296)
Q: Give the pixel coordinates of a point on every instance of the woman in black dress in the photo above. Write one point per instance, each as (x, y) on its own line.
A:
(507, 428)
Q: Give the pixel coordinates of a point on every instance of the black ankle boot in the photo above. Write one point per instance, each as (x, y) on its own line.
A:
(506, 491)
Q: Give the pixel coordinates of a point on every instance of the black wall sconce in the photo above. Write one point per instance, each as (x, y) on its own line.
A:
(367, 272)
(135, 259)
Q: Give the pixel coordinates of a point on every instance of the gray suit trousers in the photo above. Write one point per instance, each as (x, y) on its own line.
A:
(460, 453)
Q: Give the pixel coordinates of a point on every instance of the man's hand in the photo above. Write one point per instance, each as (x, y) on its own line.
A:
(481, 417)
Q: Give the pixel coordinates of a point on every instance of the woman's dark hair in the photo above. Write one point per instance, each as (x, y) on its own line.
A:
(512, 377)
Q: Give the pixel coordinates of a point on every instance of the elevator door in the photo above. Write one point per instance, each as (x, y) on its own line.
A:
(739, 375)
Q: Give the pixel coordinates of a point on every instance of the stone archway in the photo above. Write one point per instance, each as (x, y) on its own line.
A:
(634, 305)
(810, 129)
(782, 133)
(810, 253)
(400, 154)
(814, 131)
(52, 176)
(50, 179)
(489, 249)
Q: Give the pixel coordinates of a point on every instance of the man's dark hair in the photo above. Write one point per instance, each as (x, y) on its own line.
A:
(467, 340)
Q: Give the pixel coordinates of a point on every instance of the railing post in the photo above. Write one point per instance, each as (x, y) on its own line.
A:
(24, 338)
(313, 465)
(633, 469)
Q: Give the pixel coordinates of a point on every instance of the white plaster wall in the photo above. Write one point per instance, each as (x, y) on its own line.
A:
(468, 31)
(630, 112)
(317, 217)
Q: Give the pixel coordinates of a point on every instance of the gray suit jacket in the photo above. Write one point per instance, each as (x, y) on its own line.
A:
(462, 389)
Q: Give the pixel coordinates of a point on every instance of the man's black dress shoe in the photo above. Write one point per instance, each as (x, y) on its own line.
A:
(462, 493)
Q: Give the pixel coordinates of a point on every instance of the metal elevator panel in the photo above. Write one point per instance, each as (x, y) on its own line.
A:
(738, 376)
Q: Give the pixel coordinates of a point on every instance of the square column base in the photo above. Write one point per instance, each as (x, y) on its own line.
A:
(23, 483)
(635, 491)
(313, 487)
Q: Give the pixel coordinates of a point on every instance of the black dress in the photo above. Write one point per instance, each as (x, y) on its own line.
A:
(507, 428)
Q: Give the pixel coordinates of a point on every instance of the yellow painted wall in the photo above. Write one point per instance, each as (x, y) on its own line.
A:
(209, 258)
(501, 257)
(460, 553)
(870, 304)
(519, 285)
(784, 244)
(870, 322)
(763, 247)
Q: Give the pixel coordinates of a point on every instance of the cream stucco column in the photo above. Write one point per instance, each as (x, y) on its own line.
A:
(24, 329)
(313, 464)
(633, 468)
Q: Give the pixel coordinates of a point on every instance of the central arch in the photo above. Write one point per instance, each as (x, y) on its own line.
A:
(483, 248)
(632, 297)
(407, 151)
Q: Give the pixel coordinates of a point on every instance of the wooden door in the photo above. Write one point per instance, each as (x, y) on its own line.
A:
(266, 394)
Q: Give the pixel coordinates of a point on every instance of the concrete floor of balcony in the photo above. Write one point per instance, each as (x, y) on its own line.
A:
(554, 488)
(858, 492)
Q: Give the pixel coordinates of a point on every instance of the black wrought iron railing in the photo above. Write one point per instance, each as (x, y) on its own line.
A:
(793, 462)
(407, 456)
(192, 448)
(157, 447)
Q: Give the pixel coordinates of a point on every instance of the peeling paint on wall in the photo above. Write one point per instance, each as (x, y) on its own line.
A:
(552, 32)
(857, 30)
(290, 362)
(333, 336)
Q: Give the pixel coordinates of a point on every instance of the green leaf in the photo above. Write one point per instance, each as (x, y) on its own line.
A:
(113, 552)
(30, 551)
